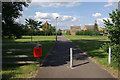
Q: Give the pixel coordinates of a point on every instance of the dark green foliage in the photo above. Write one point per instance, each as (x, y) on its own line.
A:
(113, 29)
(115, 50)
(35, 31)
(10, 12)
(50, 31)
(79, 33)
(68, 33)
(105, 47)
(33, 24)
(87, 32)
(96, 26)
(59, 32)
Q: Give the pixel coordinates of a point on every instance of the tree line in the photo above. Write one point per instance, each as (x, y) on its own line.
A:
(10, 28)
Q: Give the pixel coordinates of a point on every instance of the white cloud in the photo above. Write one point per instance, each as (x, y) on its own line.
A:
(55, 4)
(26, 8)
(109, 4)
(30, 16)
(21, 12)
(100, 20)
(97, 14)
(90, 24)
(112, 3)
(0, 13)
(64, 21)
(20, 20)
(46, 15)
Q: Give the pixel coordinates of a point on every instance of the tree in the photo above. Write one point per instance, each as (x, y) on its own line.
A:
(68, 33)
(48, 31)
(10, 12)
(53, 30)
(33, 25)
(96, 25)
(59, 32)
(113, 29)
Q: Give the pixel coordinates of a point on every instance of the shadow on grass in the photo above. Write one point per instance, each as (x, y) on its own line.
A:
(46, 46)
(90, 45)
(8, 76)
(26, 37)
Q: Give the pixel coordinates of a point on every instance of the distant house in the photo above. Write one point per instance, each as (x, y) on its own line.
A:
(100, 29)
(64, 31)
(47, 25)
(88, 27)
(73, 29)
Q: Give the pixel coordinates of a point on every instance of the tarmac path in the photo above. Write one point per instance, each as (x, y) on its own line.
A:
(56, 64)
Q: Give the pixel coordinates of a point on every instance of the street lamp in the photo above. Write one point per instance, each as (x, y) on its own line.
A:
(56, 28)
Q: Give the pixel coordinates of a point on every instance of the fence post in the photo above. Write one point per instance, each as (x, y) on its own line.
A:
(109, 57)
(71, 60)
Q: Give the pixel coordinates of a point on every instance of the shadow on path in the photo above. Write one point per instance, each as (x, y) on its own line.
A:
(80, 64)
(60, 53)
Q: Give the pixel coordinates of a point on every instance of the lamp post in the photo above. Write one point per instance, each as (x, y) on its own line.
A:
(56, 28)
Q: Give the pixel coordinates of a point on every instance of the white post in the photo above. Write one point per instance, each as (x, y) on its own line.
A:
(109, 57)
(71, 60)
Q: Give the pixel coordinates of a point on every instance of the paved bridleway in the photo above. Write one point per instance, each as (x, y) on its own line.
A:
(56, 64)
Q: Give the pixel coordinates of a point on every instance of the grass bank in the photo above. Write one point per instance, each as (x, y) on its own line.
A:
(23, 70)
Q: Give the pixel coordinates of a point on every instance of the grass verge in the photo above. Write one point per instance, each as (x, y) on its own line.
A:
(91, 45)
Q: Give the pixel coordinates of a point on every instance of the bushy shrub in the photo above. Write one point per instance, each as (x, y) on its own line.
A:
(105, 47)
(113, 30)
(40, 33)
(68, 33)
(59, 32)
(79, 33)
(114, 50)
(87, 32)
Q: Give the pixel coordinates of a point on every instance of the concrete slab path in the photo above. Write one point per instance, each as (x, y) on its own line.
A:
(56, 64)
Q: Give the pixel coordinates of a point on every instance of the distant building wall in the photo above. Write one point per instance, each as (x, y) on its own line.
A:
(84, 28)
(74, 29)
(100, 29)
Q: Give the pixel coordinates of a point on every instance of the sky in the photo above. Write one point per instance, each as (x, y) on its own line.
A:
(68, 13)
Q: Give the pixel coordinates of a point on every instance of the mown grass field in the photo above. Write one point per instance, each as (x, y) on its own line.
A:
(24, 70)
(92, 45)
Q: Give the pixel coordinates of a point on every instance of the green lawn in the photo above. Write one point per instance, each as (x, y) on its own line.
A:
(24, 70)
(28, 39)
(91, 45)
